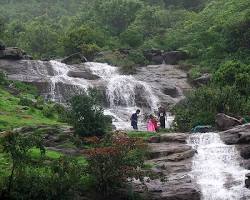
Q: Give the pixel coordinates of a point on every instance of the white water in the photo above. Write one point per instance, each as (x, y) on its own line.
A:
(121, 92)
(60, 71)
(216, 168)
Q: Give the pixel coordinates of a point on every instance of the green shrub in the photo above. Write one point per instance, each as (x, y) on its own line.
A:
(36, 178)
(25, 101)
(202, 105)
(89, 50)
(86, 114)
(115, 158)
(61, 111)
(25, 87)
(48, 110)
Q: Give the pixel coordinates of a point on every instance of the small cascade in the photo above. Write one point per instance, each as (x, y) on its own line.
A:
(125, 94)
(70, 86)
(216, 168)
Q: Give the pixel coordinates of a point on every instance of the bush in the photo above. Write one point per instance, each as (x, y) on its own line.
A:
(25, 87)
(48, 110)
(89, 50)
(26, 101)
(86, 114)
(36, 178)
(115, 158)
(202, 105)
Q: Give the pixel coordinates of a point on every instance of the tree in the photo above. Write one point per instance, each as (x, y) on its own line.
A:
(118, 14)
(80, 39)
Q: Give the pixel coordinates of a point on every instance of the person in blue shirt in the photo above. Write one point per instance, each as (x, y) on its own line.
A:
(134, 119)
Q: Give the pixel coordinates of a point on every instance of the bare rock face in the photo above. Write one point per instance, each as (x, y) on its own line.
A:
(173, 57)
(172, 160)
(167, 81)
(13, 53)
(225, 122)
(237, 135)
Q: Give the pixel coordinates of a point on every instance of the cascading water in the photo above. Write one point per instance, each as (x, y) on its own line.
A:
(216, 168)
(60, 71)
(124, 93)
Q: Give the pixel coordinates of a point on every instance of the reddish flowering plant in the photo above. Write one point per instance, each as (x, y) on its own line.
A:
(116, 158)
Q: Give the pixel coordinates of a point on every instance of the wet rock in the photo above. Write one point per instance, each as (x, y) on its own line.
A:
(75, 58)
(166, 149)
(174, 137)
(183, 192)
(12, 53)
(203, 80)
(154, 55)
(247, 181)
(165, 79)
(245, 152)
(225, 122)
(173, 57)
(245, 164)
(237, 135)
(83, 74)
(171, 91)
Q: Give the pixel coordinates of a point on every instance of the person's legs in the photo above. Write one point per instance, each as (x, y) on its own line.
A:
(135, 127)
(162, 122)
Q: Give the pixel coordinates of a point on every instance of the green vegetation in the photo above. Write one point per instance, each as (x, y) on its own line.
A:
(141, 134)
(86, 114)
(23, 108)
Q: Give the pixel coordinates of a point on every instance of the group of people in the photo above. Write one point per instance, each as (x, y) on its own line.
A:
(153, 121)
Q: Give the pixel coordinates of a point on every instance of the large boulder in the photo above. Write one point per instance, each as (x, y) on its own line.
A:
(154, 55)
(75, 58)
(171, 91)
(237, 135)
(173, 57)
(245, 152)
(203, 80)
(13, 53)
(225, 122)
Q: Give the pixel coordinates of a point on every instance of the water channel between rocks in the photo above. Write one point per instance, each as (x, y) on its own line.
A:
(216, 168)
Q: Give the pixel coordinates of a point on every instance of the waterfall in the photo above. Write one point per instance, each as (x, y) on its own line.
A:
(122, 90)
(216, 168)
(124, 93)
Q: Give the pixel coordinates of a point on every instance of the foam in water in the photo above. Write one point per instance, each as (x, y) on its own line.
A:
(216, 168)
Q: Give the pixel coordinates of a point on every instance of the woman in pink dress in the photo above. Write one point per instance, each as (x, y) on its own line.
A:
(151, 124)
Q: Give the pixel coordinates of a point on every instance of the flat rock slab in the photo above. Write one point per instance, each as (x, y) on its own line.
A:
(237, 135)
(165, 149)
(169, 137)
(180, 188)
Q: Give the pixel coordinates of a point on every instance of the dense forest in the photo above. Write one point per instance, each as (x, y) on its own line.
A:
(215, 34)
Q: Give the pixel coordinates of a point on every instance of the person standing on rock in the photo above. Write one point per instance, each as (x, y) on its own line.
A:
(134, 119)
(162, 116)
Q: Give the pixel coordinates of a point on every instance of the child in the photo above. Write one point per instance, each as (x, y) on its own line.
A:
(151, 124)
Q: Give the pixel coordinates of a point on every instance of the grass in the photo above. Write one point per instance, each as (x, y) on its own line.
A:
(13, 115)
(141, 134)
